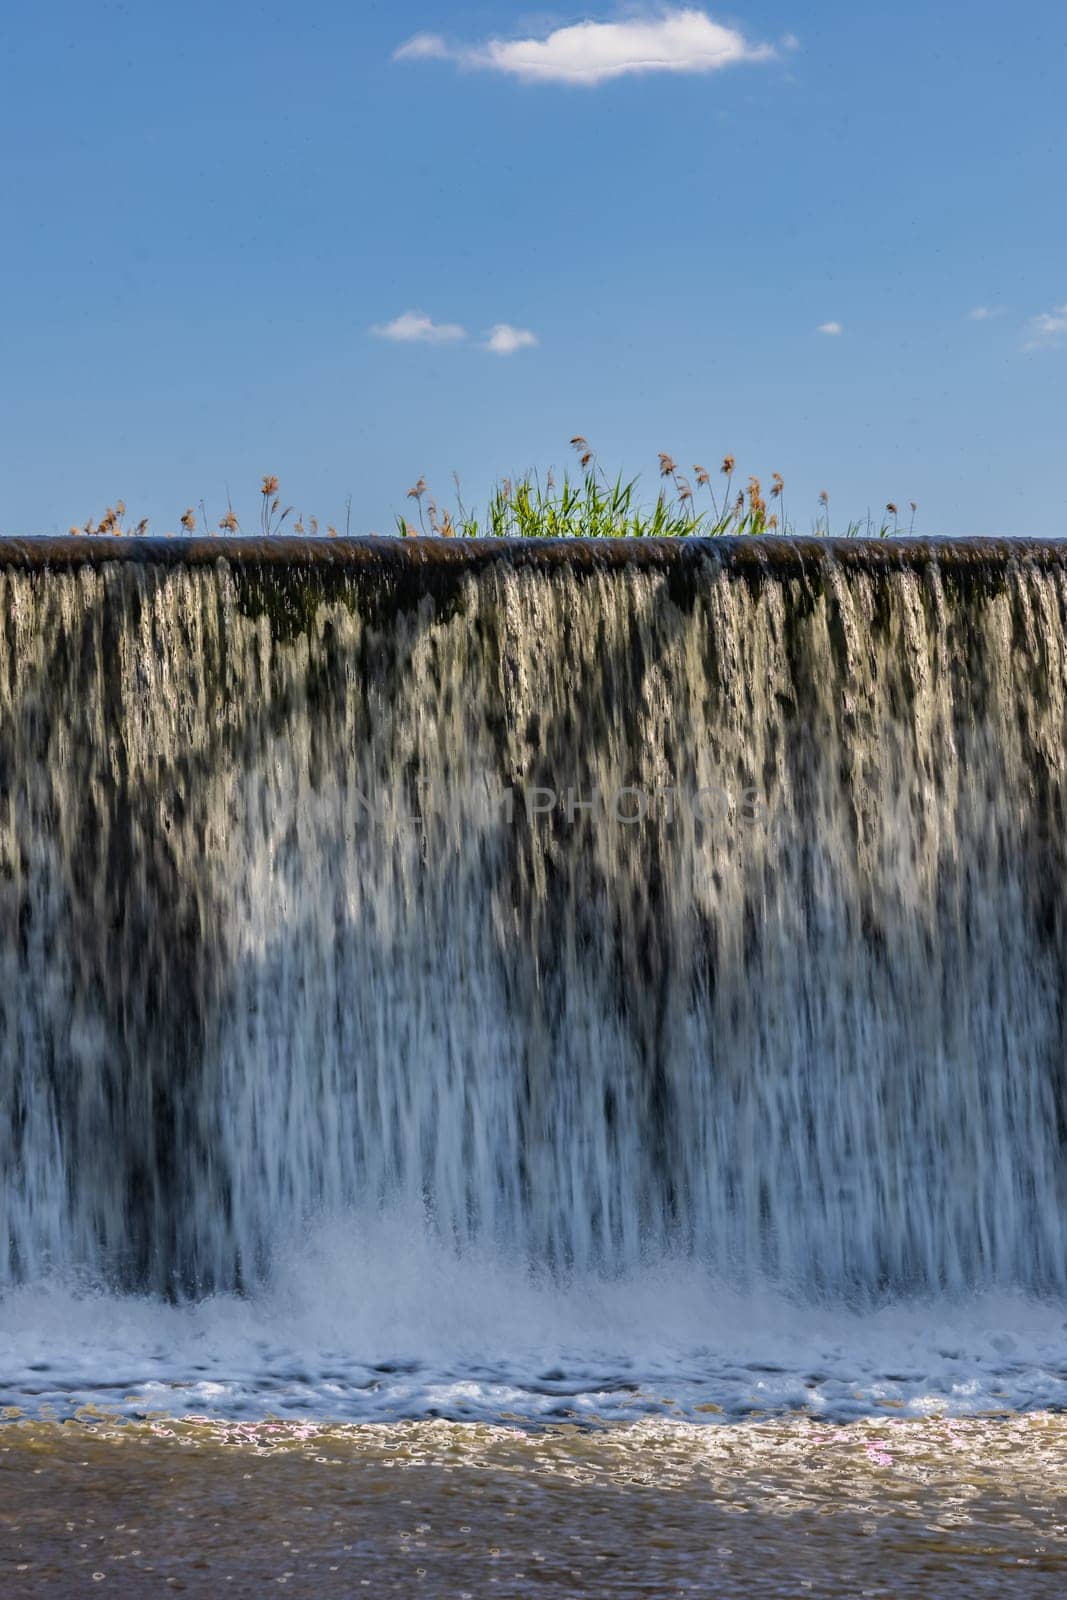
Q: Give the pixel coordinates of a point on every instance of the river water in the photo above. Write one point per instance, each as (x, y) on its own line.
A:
(567, 1050)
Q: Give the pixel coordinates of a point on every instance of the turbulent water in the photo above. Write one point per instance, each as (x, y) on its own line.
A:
(533, 983)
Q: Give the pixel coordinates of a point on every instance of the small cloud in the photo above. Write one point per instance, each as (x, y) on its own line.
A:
(984, 313)
(790, 41)
(413, 327)
(832, 328)
(504, 340)
(678, 40)
(1046, 330)
(424, 47)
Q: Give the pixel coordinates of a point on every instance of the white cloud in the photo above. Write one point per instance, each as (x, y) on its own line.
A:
(833, 328)
(424, 47)
(984, 313)
(679, 40)
(1048, 329)
(504, 340)
(413, 327)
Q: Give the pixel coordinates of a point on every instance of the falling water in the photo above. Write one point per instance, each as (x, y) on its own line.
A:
(705, 905)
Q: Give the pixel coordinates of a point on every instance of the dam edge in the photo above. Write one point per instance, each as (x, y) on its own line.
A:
(773, 556)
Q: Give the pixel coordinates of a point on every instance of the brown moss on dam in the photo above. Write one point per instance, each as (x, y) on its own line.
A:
(393, 556)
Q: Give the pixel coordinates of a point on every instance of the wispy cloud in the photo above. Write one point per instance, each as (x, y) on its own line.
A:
(1047, 329)
(984, 313)
(832, 328)
(414, 327)
(677, 40)
(504, 340)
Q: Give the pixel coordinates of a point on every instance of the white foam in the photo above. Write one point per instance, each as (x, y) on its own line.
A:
(372, 1322)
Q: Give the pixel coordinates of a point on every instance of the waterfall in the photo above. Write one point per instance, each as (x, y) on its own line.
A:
(605, 905)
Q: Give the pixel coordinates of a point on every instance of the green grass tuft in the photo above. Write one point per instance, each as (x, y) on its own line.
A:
(593, 506)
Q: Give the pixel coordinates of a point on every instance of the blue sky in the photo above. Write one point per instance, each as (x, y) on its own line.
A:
(210, 207)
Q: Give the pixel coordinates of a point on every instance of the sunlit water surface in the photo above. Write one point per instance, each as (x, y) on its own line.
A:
(886, 1507)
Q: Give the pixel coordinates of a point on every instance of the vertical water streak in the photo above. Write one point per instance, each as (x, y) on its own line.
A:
(289, 923)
